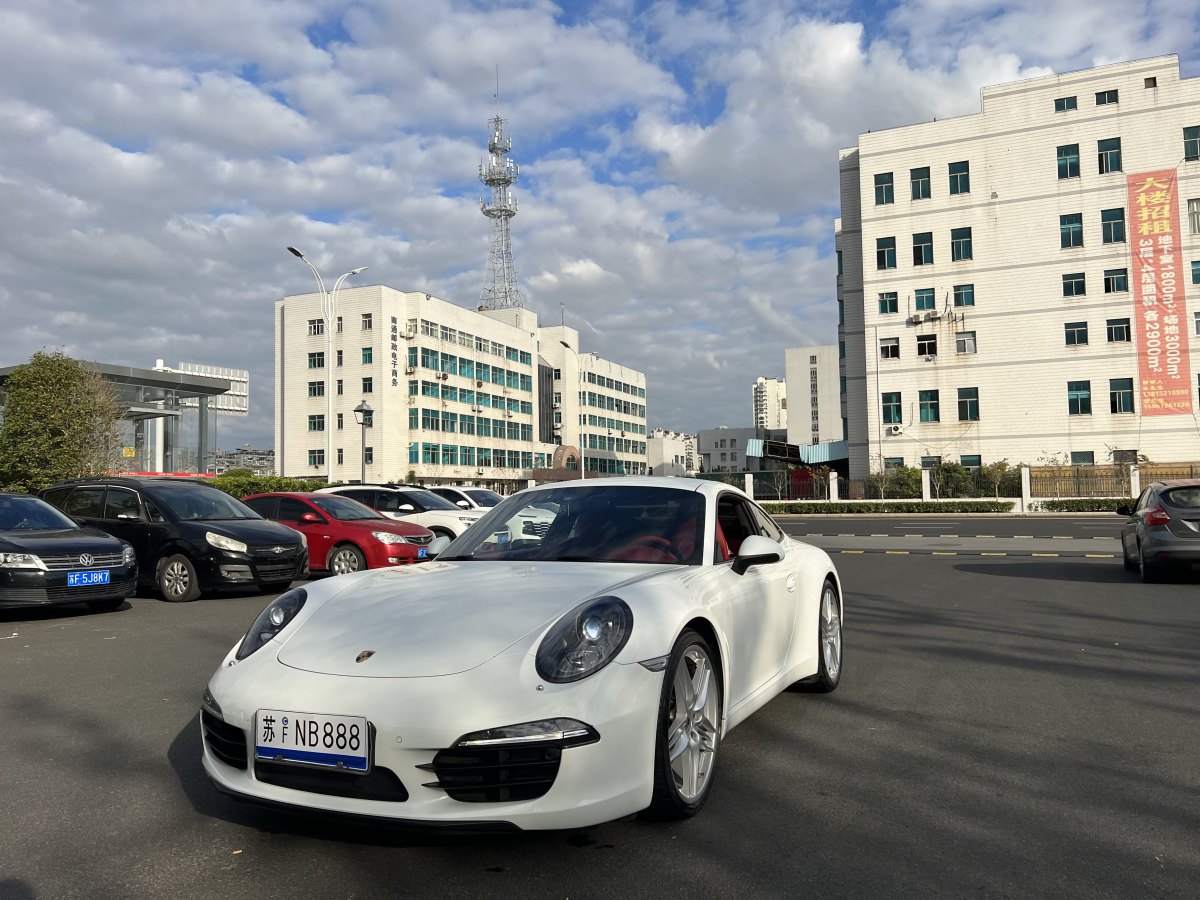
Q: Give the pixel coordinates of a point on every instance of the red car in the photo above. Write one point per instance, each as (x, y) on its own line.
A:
(343, 534)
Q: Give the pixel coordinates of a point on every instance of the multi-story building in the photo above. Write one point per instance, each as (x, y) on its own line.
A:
(723, 449)
(815, 404)
(445, 394)
(670, 452)
(770, 402)
(1013, 282)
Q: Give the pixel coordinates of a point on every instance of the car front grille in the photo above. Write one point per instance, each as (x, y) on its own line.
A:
(538, 529)
(276, 571)
(421, 540)
(226, 742)
(122, 587)
(58, 562)
(495, 774)
(378, 784)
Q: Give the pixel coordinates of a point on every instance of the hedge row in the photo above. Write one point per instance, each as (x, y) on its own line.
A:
(1085, 504)
(871, 507)
(243, 485)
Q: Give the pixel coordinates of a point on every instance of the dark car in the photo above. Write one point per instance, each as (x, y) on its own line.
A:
(46, 558)
(344, 535)
(1163, 528)
(189, 537)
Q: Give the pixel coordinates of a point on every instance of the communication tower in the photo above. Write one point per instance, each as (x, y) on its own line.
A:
(498, 173)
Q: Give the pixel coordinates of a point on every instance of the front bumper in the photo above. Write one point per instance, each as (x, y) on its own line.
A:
(416, 721)
(222, 568)
(33, 587)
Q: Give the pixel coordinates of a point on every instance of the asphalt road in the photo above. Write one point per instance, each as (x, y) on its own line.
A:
(1010, 726)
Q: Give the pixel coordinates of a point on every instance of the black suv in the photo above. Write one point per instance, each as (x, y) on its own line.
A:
(189, 537)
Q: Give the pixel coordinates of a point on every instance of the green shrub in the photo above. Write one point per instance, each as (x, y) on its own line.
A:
(240, 485)
(1085, 504)
(874, 507)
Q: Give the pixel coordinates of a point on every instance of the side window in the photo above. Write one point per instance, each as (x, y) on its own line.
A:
(366, 497)
(55, 497)
(86, 502)
(122, 503)
(405, 497)
(766, 525)
(291, 509)
(736, 521)
(152, 512)
(1145, 499)
(264, 506)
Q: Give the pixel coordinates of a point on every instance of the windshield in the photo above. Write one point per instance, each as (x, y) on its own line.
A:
(483, 496)
(590, 524)
(343, 508)
(31, 514)
(420, 500)
(201, 502)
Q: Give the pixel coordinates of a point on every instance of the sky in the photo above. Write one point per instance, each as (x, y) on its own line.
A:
(678, 164)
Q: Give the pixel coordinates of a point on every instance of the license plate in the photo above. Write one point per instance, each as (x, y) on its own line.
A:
(313, 739)
(82, 579)
(421, 553)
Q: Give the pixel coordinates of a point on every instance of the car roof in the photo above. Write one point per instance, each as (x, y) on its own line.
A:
(170, 482)
(1178, 482)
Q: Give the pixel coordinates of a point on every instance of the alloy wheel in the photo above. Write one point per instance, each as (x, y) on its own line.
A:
(693, 723)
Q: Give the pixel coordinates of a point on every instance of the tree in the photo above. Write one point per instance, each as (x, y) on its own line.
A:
(993, 474)
(61, 420)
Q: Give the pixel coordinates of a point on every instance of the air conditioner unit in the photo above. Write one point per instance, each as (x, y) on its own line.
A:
(932, 315)
(508, 415)
(410, 370)
(930, 358)
(558, 426)
(478, 384)
(555, 405)
(474, 409)
(895, 429)
(410, 332)
(444, 376)
(915, 319)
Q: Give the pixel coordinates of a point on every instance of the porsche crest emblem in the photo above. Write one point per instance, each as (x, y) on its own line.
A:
(364, 656)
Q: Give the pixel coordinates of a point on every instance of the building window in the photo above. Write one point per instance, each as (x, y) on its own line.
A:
(960, 244)
(316, 389)
(964, 295)
(1079, 398)
(928, 401)
(1194, 216)
(366, 321)
(316, 360)
(1191, 143)
(367, 355)
(960, 178)
(1195, 271)
(968, 404)
(316, 457)
(970, 461)
(339, 390)
(964, 342)
(339, 357)
(341, 421)
(839, 259)
(1151, 82)
(893, 462)
(368, 419)
(368, 385)
(891, 408)
(1120, 395)
(927, 345)
(923, 248)
(1116, 281)
(885, 253)
(889, 348)
(920, 183)
(924, 300)
(1083, 458)
(1076, 333)
(1109, 154)
(1118, 331)
(339, 325)
(341, 456)
(1070, 230)
(1112, 225)
(1062, 104)
(1104, 98)
(1074, 284)
(316, 326)
(1068, 161)
(930, 462)
(884, 193)
(889, 303)
(368, 455)
(316, 423)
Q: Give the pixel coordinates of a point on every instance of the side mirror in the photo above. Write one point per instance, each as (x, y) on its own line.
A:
(311, 517)
(406, 508)
(437, 545)
(756, 550)
(1124, 510)
(464, 504)
(128, 517)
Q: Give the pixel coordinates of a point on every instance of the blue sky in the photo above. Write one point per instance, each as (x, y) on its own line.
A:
(678, 164)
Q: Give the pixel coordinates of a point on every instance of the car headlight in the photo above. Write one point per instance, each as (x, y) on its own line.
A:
(386, 537)
(468, 519)
(272, 620)
(585, 640)
(224, 543)
(21, 561)
(127, 555)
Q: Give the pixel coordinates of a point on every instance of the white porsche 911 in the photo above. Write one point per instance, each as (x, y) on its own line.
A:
(528, 681)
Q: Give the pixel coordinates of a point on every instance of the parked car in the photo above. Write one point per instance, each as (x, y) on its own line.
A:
(467, 497)
(412, 503)
(189, 537)
(1163, 528)
(47, 558)
(526, 682)
(344, 535)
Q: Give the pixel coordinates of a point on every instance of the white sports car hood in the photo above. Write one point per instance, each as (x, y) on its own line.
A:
(444, 618)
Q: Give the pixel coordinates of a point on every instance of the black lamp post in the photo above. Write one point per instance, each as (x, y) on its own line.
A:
(362, 413)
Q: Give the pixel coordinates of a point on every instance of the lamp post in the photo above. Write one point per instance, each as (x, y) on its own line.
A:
(362, 412)
(582, 437)
(329, 310)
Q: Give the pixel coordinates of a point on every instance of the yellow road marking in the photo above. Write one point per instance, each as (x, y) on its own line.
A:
(943, 553)
(897, 552)
(1101, 556)
(1043, 554)
(851, 551)
(985, 553)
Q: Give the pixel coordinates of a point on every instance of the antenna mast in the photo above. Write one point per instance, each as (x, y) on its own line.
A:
(498, 173)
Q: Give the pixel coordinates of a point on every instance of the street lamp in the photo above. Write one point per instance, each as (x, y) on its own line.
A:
(579, 392)
(329, 310)
(362, 413)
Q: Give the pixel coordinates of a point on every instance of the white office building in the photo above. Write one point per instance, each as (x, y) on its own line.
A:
(445, 394)
(1015, 284)
(769, 396)
(815, 404)
(671, 452)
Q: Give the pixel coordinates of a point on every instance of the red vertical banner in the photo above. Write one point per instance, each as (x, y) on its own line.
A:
(1160, 310)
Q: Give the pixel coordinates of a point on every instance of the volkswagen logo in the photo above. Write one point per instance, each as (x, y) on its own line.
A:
(364, 656)
(86, 559)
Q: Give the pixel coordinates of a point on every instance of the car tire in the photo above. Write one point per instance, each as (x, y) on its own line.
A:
(689, 726)
(1131, 564)
(177, 581)
(829, 644)
(1150, 572)
(106, 605)
(346, 558)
